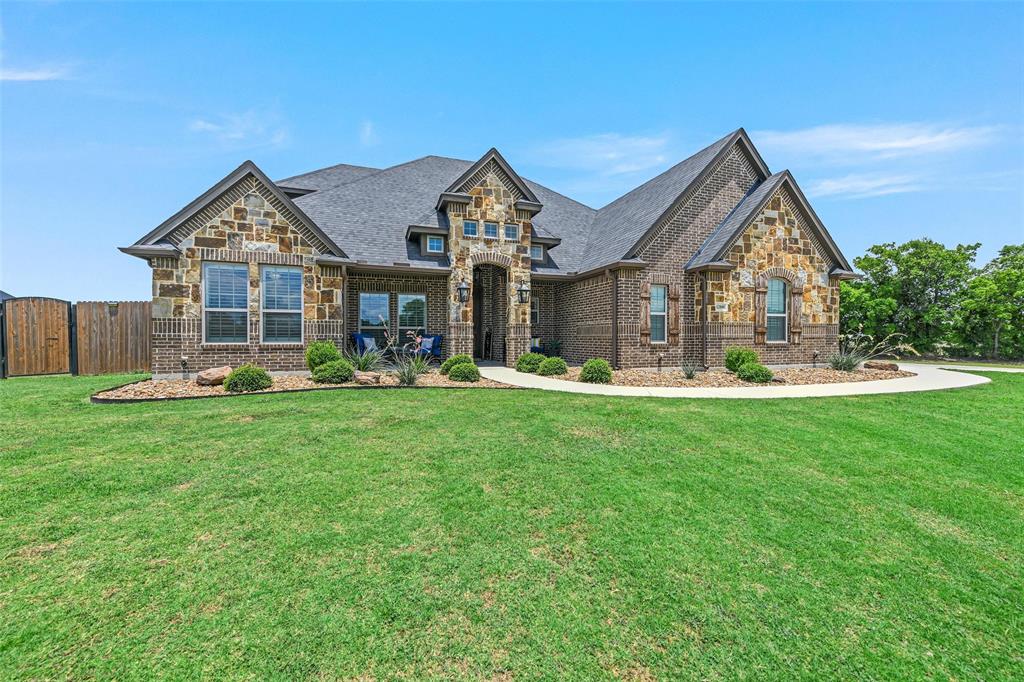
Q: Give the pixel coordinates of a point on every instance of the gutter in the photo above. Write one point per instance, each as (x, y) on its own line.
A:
(147, 251)
(586, 274)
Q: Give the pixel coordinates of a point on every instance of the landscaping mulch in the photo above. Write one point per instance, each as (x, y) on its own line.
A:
(721, 379)
(188, 388)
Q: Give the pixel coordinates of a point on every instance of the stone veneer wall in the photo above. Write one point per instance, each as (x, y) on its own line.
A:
(249, 230)
(491, 201)
(434, 286)
(779, 243)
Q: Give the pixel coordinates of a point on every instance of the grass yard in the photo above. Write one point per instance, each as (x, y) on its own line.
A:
(511, 535)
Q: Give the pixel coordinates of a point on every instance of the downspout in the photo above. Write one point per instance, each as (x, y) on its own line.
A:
(614, 274)
(704, 319)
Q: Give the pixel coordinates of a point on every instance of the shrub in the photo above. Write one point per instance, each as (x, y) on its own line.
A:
(455, 360)
(529, 362)
(551, 367)
(320, 352)
(844, 362)
(737, 356)
(596, 371)
(334, 372)
(754, 372)
(246, 379)
(370, 361)
(409, 368)
(689, 369)
(464, 371)
(858, 347)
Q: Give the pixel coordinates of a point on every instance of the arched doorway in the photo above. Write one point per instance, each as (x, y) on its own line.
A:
(490, 312)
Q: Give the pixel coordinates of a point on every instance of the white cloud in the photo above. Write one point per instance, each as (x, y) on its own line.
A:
(248, 129)
(605, 154)
(368, 134)
(857, 143)
(861, 185)
(43, 73)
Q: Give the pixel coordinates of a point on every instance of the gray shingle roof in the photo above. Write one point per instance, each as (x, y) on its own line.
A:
(723, 236)
(371, 215)
(622, 223)
(4, 295)
(324, 178)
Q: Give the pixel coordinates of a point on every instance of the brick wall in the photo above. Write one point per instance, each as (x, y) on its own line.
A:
(434, 286)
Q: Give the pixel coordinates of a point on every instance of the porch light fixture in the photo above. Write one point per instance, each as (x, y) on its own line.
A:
(524, 292)
(463, 290)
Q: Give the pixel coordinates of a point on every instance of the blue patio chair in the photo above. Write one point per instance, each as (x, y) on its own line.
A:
(435, 347)
(360, 342)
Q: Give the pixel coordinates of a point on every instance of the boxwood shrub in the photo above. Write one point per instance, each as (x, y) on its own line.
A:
(320, 352)
(464, 371)
(455, 360)
(596, 371)
(334, 372)
(737, 356)
(754, 372)
(246, 379)
(529, 362)
(551, 367)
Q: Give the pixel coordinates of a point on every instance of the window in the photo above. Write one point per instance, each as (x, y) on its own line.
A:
(776, 311)
(536, 252)
(468, 228)
(512, 232)
(659, 313)
(534, 310)
(374, 315)
(412, 316)
(491, 230)
(281, 304)
(435, 244)
(225, 303)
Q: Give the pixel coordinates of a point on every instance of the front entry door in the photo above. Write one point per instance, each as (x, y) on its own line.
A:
(478, 315)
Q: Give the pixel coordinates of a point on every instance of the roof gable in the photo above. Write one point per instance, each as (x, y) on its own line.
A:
(233, 186)
(620, 227)
(739, 219)
(493, 162)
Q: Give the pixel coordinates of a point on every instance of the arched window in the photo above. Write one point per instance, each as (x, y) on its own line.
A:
(776, 309)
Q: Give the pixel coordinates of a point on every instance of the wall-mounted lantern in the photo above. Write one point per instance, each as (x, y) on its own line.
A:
(463, 290)
(524, 292)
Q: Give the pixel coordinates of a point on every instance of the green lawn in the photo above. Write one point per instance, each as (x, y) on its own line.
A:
(511, 534)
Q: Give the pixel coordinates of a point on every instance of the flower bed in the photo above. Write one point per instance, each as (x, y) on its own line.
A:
(721, 378)
(188, 388)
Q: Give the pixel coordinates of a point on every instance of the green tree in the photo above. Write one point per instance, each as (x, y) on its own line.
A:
(990, 320)
(914, 288)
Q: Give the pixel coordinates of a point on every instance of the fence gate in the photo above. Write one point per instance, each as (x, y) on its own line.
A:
(113, 337)
(37, 336)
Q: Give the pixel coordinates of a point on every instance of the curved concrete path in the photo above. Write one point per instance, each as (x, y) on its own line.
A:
(929, 378)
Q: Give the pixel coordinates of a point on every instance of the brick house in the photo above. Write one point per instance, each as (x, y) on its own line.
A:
(714, 252)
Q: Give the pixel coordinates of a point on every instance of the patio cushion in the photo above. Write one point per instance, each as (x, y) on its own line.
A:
(426, 343)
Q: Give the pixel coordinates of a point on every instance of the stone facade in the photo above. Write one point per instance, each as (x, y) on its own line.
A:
(492, 200)
(250, 230)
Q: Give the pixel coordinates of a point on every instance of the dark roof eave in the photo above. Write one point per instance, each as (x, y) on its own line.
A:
(398, 269)
(425, 229)
(714, 266)
(452, 198)
(546, 241)
(532, 207)
(626, 264)
(845, 275)
(147, 251)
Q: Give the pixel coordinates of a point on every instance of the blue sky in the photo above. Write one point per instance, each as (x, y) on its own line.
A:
(898, 121)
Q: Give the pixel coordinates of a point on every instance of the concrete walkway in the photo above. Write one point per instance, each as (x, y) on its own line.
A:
(929, 378)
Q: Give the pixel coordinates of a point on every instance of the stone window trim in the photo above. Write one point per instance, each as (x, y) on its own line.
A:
(301, 311)
(794, 307)
(204, 308)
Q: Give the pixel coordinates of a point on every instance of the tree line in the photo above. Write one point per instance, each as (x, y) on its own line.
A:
(939, 299)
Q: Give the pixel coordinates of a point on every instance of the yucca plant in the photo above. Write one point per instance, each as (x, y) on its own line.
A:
(409, 367)
(689, 369)
(367, 361)
(857, 347)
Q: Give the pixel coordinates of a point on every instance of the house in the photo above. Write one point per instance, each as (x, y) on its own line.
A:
(714, 252)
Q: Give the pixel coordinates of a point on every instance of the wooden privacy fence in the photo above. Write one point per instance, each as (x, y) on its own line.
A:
(50, 336)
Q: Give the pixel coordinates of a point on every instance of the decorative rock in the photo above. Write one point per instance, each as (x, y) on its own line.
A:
(367, 378)
(213, 376)
(882, 365)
